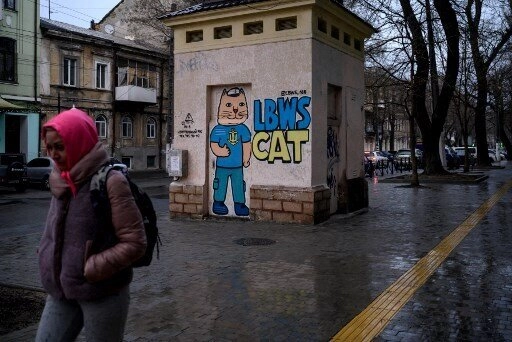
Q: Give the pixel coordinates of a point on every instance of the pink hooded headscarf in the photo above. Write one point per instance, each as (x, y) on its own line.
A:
(78, 133)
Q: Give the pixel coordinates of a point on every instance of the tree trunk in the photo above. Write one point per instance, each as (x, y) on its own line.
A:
(431, 126)
(482, 157)
(432, 160)
(505, 140)
(415, 181)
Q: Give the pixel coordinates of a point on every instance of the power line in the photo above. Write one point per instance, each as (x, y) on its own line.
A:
(50, 2)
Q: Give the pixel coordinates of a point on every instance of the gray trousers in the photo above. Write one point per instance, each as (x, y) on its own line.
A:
(102, 320)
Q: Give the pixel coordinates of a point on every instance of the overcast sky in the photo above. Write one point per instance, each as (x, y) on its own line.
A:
(76, 12)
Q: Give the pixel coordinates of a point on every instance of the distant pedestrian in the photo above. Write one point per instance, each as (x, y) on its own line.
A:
(87, 278)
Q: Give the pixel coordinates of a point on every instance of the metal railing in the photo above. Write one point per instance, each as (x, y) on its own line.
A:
(383, 167)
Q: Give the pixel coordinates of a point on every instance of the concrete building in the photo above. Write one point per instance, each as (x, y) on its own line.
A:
(118, 82)
(19, 77)
(268, 103)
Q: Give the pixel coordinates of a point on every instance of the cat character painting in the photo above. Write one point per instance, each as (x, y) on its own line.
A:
(230, 142)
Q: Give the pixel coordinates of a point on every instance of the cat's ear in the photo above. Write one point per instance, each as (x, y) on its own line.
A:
(224, 92)
(241, 90)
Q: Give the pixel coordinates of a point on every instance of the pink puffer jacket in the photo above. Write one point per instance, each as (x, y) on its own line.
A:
(68, 270)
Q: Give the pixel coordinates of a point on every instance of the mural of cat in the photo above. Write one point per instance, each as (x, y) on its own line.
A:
(230, 142)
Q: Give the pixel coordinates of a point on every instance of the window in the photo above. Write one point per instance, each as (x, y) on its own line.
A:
(122, 76)
(253, 28)
(194, 36)
(335, 32)
(69, 72)
(141, 78)
(222, 32)
(357, 44)
(101, 75)
(150, 161)
(7, 59)
(127, 128)
(322, 25)
(151, 128)
(346, 38)
(127, 161)
(136, 73)
(101, 126)
(286, 23)
(10, 4)
(333, 102)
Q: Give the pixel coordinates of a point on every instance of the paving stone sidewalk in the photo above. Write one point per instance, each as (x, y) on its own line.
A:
(313, 280)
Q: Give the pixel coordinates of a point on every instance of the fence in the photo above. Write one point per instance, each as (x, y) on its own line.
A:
(382, 167)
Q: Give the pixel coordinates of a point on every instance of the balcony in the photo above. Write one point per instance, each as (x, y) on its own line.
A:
(131, 93)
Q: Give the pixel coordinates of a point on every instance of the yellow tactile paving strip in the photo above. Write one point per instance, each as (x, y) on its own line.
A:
(372, 320)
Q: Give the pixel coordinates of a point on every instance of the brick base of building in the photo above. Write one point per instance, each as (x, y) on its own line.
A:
(267, 203)
(188, 201)
(290, 204)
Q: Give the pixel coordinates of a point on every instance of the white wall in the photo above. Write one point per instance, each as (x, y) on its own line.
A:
(269, 69)
(331, 66)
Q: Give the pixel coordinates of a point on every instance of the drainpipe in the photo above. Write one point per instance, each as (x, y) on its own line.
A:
(170, 117)
(171, 82)
(36, 26)
(113, 85)
(160, 112)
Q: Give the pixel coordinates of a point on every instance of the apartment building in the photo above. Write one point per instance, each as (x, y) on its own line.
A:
(120, 83)
(19, 77)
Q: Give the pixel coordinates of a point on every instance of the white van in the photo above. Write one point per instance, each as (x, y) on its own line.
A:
(460, 151)
(473, 153)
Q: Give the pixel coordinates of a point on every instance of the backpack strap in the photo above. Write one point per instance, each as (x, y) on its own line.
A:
(103, 237)
(98, 189)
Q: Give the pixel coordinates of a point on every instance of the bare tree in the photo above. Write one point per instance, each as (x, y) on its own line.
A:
(403, 44)
(488, 36)
(464, 111)
(431, 126)
(500, 93)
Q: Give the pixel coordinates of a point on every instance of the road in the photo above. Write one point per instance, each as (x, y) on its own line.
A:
(24, 213)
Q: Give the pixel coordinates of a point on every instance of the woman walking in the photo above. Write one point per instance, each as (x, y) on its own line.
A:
(87, 277)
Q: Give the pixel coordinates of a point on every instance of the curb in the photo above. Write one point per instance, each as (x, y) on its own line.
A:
(465, 179)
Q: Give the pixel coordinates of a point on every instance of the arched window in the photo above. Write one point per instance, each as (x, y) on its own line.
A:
(101, 126)
(151, 128)
(127, 127)
(7, 59)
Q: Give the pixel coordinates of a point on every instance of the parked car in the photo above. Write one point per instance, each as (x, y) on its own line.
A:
(375, 156)
(118, 165)
(461, 153)
(388, 155)
(474, 153)
(13, 171)
(505, 153)
(453, 161)
(492, 155)
(38, 171)
(403, 158)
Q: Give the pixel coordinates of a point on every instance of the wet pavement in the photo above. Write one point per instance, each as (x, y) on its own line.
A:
(310, 283)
